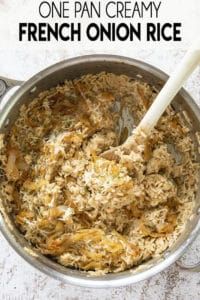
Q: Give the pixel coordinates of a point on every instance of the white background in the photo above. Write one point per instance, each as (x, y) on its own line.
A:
(20, 281)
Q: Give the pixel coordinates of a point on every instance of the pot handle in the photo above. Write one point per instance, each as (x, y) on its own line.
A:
(191, 268)
(6, 84)
(188, 267)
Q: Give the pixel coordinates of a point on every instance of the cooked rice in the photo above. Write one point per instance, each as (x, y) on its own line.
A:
(83, 210)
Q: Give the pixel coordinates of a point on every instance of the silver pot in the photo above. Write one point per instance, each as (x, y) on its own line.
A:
(71, 69)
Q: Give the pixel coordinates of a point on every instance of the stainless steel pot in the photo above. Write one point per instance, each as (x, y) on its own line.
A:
(74, 68)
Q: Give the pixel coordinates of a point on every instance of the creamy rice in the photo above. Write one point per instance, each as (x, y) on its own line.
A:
(85, 211)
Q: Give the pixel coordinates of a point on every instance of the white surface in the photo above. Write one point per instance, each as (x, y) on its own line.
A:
(19, 280)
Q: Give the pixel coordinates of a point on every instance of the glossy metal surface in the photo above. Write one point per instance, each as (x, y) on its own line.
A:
(71, 69)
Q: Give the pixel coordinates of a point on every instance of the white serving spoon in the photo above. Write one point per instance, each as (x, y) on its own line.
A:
(163, 99)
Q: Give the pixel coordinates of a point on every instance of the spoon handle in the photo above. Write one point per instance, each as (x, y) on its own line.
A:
(170, 89)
